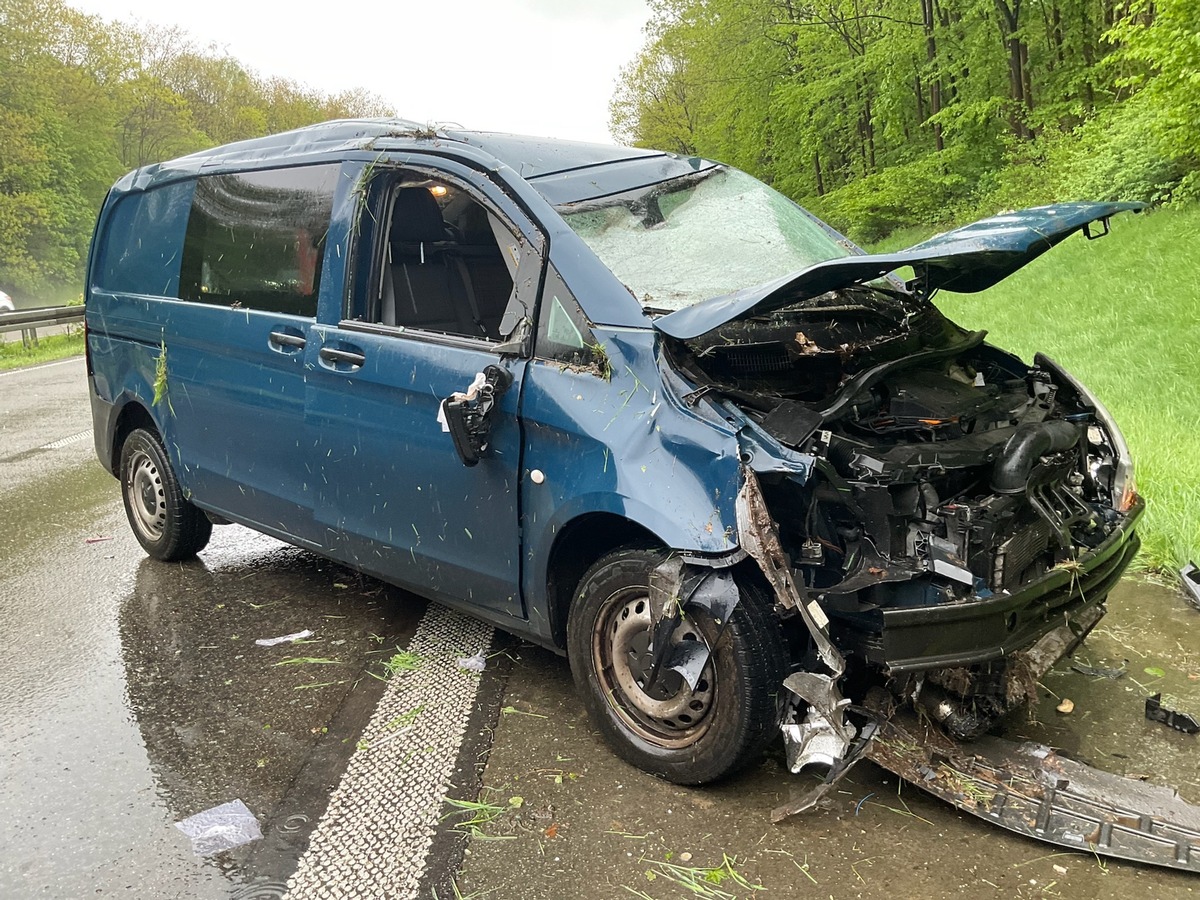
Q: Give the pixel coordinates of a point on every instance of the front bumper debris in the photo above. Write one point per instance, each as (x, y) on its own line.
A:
(1032, 790)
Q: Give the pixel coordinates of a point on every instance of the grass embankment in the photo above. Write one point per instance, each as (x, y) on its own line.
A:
(1123, 314)
(14, 355)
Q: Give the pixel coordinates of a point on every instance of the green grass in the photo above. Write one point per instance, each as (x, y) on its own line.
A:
(1123, 314)
(13, 355)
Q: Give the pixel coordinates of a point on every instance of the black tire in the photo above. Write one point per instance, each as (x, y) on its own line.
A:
(683, 736)
(166, 525)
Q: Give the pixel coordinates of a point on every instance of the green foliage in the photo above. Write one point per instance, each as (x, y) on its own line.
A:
(1122, 314)
(83, 100)
(891, 114)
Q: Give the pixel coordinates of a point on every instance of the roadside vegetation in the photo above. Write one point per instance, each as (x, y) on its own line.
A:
(896, 113)
(1123, 314)
(84, 100)
(15, 355)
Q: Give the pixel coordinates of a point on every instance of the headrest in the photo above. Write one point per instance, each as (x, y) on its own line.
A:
(417, 218)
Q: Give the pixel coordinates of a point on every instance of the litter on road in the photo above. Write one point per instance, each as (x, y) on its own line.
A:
(286, 639)
(220, 828)
(474, 663)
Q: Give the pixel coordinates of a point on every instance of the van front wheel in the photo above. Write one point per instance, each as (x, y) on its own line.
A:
(688, 735)
(166, 525)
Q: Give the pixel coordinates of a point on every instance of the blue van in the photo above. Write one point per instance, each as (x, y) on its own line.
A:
(636, 407)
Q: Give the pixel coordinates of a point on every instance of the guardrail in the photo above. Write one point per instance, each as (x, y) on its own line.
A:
(28, 321)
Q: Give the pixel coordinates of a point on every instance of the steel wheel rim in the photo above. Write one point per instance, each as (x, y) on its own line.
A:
(147, 496)
(678, 716)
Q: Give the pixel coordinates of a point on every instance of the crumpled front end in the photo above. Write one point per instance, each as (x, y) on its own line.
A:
(954, 506)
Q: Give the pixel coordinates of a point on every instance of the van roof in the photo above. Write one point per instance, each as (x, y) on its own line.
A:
(530, 157)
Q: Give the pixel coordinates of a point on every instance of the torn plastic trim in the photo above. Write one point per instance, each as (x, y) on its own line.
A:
(1031, 790)
(678, 583)
(826, 735)
(759, 537)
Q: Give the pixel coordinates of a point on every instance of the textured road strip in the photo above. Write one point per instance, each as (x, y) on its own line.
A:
(67, 441)
(375, 835)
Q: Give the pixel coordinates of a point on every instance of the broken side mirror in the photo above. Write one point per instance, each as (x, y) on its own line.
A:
(468, 416)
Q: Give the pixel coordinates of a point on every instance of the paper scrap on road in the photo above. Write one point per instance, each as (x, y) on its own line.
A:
(287, 638)
(220, 828)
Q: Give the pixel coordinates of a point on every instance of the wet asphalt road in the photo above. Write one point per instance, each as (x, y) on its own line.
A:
(132, 695)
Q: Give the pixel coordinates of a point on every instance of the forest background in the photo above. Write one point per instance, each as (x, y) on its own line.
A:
(881, 115)
(84, 100)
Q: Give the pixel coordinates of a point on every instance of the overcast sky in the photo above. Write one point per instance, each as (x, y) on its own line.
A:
(544, 67)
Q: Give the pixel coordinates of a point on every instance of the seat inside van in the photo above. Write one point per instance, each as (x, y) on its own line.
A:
(443, 269)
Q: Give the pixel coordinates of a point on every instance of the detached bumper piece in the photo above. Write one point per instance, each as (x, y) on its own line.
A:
(1031, 790)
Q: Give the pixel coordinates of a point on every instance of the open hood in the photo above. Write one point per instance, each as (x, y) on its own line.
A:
(967, 259)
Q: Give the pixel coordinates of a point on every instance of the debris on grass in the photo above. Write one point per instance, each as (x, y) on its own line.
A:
(285, 639)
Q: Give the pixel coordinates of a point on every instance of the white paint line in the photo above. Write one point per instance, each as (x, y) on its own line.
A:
(372, 842)
(61, 362)
(67, 441)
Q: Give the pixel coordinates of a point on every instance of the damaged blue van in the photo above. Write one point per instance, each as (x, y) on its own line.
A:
(635, 407)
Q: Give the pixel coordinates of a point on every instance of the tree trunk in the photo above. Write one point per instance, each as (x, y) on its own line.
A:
(935, 82)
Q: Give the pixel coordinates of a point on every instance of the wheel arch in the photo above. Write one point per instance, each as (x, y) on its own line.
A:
(133, 415)
(577, 546)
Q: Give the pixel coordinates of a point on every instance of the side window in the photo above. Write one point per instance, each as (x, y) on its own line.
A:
(563, 333)
(139, 252)
(256, 239)
(446, 263)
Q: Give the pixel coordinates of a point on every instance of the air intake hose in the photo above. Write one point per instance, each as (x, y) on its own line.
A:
(1022, 451)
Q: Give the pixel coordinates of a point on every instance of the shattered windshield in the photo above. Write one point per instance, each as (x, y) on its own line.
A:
(696, 237)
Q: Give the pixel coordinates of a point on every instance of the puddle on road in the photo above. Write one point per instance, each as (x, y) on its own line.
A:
(135, 696)
(224, 718)
(1148, 626)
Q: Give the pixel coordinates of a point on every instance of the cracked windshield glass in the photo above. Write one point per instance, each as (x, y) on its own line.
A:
(688, 240)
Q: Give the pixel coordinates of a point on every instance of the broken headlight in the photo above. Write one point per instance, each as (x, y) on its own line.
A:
(1110, 464)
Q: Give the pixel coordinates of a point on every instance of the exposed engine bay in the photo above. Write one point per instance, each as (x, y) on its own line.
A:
(949, 476)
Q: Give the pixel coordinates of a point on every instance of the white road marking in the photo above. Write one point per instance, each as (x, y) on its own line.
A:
(67, 441)
(380, 823)
(22, 371)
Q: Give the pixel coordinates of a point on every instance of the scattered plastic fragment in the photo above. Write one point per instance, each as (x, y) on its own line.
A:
(1099, 671)
(1180, 721)
(1190, 577)
(97, 540)
(1155, 671)
(286, 639)
(474, 663)
(220, 828)
(1066, 707)
(1061, 870)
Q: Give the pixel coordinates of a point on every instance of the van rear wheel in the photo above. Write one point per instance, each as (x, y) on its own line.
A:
(683, 734)
(166, 525)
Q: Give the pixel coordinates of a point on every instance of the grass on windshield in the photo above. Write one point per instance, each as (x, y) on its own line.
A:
(14, 355)
(1123, 314)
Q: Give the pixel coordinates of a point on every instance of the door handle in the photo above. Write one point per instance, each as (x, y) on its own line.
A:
(344, 357)
(281, 340)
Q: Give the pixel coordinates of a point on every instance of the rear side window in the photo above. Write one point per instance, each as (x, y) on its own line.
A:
(256, 240)
(139, 253)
